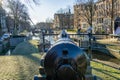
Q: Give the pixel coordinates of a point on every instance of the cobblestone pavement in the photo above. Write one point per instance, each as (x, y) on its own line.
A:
(19, 67)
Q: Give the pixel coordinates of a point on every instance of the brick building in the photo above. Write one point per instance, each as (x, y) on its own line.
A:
(63, 20)
(103, 13)
(102, 17)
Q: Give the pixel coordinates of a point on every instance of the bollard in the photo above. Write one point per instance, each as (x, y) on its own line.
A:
(79, 44)
(36, 77)
(94, 78)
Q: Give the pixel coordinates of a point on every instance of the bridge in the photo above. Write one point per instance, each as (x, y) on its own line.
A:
(84, 42)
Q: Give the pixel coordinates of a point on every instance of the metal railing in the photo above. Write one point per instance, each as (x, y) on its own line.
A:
(81, 39)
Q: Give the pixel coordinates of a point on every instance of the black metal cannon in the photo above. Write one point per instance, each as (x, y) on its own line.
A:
(64, 61)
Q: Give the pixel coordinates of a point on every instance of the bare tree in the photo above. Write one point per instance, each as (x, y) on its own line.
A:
(61, 11)
(88, 8)
(110, 10)
(0, 30)
(0, 2)
(37, 2)
(0, 16)
(65, 18)
(112, 13)
(49, 20)
(18, 11)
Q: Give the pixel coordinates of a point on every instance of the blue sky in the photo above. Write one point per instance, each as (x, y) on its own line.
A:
(47, 8)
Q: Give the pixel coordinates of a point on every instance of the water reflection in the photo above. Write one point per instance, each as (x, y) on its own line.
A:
(50, 39)
(8, 53)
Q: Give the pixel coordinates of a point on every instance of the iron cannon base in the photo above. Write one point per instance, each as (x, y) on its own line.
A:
(42, 75)
(87, 77)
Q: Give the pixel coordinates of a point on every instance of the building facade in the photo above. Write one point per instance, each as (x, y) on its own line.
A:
(10, 24)
(63, 20)
(3, 20)
(102, 16)
(23, 25)
(81, 17)
(44, 25)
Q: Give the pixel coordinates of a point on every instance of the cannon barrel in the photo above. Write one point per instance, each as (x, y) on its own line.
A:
(65, 60)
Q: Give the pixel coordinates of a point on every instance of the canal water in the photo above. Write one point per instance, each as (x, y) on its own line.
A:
(8, 52)
(50, 39)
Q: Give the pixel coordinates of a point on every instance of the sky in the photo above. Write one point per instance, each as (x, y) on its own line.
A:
(46, 9)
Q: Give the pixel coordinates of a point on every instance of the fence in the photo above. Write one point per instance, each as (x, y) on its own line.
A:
(96, 41)
(82, 40)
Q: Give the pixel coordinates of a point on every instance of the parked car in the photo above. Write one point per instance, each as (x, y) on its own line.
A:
(1, 45)
(1, 39)
(5, 36)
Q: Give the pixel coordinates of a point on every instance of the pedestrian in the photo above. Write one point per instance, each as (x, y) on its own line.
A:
(89, 30)
(117, 29)
(78, 31)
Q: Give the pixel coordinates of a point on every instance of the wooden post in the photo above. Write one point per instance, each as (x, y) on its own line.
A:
(89, 48)
(43, 42)
(79, 43)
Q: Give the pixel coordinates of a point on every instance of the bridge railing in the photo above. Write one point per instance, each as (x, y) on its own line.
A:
(81, 40)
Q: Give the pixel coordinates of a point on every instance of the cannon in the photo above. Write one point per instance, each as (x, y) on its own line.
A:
(64, 61)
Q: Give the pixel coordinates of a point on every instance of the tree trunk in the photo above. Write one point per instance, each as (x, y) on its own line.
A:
(91, 11)
(111, 28)
(0, 31)
(112, 17)
(15, 28)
